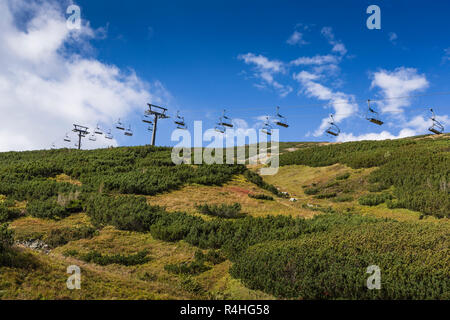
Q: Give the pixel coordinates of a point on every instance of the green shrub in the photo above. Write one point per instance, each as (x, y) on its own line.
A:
(212, 256)
(46, 209)
(260, 196)
(74, 206)
(9, 257)
(377, 187)
(312, 191)
(173, 227)
(126, 260)
(256, 179)
(191, 285)
(394, 204)
(373, 199)
(343, 176)
(187, 268)
(129, 213)
(332, 264)
(61, 236)
(70, 253)
(221, 211)
(6, 237)
(7, 213)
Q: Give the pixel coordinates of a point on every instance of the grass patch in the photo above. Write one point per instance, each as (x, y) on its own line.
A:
(126, 260)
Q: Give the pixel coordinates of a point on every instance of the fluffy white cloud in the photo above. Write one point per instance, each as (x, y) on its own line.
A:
(343, 104)
(416, 126)
(316, 60)
(46, 85)
(402, 82)
(322, 67)
(296, 39)
(407, 132)
(421, 124)
(262, 62)
(265, 70)
(338, 46)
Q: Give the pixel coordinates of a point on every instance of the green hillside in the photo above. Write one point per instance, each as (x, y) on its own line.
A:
(141, 227)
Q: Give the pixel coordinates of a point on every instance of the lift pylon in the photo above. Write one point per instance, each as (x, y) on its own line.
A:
(158, 113)
(82, 132)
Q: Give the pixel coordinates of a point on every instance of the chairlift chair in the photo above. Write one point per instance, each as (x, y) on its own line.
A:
(53, 147)
(92, 137)
(267, 129)
(119, 125)
(128, 132)
(437, 127)
(179, 121)
(150, 129)
(108, 135)
(97, 130)
(372, 115)
(225, 121)
(219, 126)
(333, 129)
(146, 118)
(67, 138)
(281, 121)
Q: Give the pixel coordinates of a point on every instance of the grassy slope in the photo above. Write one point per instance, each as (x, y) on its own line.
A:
(292, 178)
(150, 280)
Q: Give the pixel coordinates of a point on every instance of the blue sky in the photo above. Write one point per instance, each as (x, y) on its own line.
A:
(200, 57)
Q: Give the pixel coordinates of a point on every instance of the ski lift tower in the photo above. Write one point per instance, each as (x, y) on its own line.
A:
(157, 113)
(81, 131)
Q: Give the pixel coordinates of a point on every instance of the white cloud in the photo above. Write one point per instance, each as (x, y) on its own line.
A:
(402, 82)
(343, 104)
(316, 60)
(446, 56)
(393, 37)
(345, 137)
(296, 39)
(329, 70)
(45, 86)
(421, 124)
(262, 62)
(304, 76)
(265, 70)
(416, 126)
(338, 46)
(321, 67)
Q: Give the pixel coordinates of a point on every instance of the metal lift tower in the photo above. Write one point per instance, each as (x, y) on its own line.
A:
(157, 113)
(81, 131)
